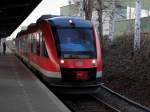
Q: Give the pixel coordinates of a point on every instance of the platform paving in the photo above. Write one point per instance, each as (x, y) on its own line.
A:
(21, 91)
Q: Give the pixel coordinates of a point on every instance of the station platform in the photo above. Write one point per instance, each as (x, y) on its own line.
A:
(21, 91)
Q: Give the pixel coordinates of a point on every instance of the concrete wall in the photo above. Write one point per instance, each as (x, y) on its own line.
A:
(69, 10)
(131, 3)
(127, 26)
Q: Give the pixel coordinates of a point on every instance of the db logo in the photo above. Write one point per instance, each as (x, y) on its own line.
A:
(80, 63)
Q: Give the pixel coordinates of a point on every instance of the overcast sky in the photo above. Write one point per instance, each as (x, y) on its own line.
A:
(45, 7)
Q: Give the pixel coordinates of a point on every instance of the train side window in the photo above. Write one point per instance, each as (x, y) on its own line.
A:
(31, 37)
(34, 44)
(43, 46)
(40, 37)
(37, 43)
(17, 43)
(25, 44)
(20, 43)
(28, 43)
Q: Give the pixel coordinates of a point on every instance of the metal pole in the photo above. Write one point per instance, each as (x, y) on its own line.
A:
(0, 46)
(0, 41)
(129, 12)
(81, 8)
(137, 33)
(148, 14)
(112, 22)
(100, 14)
(69, 7)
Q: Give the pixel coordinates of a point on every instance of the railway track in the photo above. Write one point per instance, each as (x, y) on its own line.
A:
(118, 101)
(85, 103)
(105, 100)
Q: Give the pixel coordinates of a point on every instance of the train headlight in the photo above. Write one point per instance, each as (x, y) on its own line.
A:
(70, 21)
(72, 24)
(94, 62)
(62, 61)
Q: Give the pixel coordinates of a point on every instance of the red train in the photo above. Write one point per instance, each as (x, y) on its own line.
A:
(65, 50)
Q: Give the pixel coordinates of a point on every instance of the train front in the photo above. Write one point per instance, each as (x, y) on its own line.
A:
(79, 55)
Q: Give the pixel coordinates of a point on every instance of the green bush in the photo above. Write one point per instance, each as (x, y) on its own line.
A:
(120, 59)
(125, 70)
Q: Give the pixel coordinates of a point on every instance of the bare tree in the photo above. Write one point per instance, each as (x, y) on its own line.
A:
(88, 8)
(99, 10)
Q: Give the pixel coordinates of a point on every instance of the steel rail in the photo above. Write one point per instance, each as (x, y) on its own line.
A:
(87, 103)
(118, 101)
(113, 108)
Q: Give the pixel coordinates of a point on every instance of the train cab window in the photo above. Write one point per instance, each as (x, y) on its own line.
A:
(76, 42)
(43, 50)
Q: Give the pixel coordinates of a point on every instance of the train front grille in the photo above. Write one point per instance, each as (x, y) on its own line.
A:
(78, 74)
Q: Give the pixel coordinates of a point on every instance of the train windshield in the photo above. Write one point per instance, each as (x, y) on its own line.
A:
(76, 42)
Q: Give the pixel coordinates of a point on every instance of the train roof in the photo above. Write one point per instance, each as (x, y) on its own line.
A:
(65, 21)
(31, 25)
(61, 21)
(44, 17)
